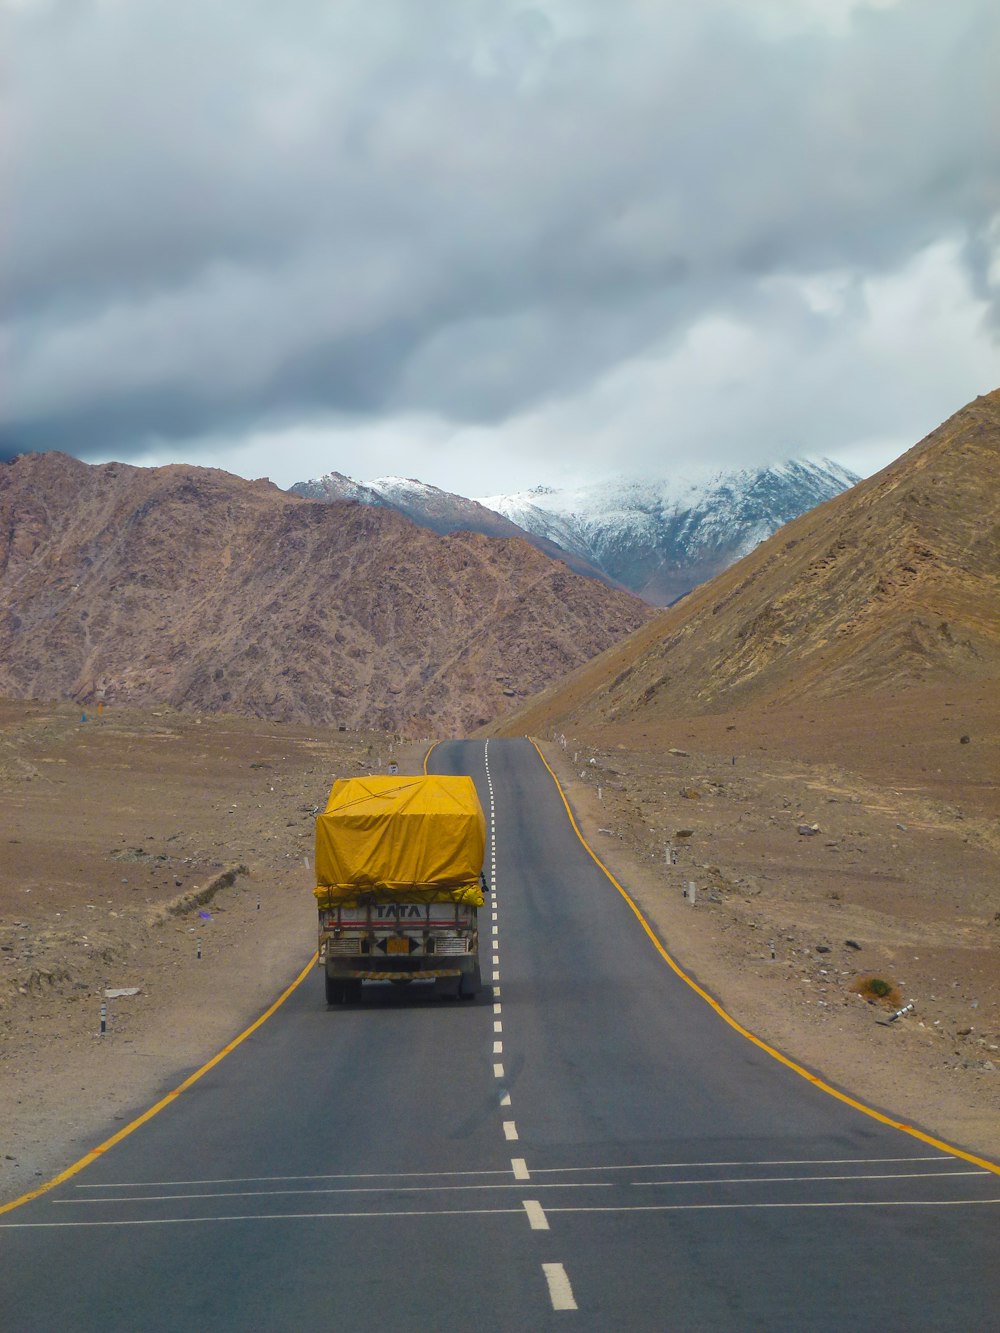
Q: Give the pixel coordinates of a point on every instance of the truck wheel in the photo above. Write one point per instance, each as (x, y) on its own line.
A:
(334, 990)
(352, 992)
(470, 983)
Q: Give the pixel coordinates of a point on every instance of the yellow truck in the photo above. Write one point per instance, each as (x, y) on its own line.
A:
(399, 881)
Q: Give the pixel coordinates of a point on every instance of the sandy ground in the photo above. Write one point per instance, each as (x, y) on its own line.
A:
(125, 841)
(850, 843)
(128, 838)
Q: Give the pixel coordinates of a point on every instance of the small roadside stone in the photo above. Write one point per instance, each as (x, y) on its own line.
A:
(851, 944)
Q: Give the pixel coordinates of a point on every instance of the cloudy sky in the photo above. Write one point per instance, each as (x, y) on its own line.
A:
(492, 243)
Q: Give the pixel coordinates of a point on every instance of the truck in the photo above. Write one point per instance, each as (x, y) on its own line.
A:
(399, 882)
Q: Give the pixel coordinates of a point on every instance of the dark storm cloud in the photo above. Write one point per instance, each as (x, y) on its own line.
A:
(232, 214)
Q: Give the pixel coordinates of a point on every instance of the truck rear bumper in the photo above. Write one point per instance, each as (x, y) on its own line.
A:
(417, 969)
(427, 975)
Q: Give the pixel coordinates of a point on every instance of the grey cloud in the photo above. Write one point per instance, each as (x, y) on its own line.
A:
(236, 213)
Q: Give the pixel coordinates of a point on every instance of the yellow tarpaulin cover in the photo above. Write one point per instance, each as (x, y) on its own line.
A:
(405, 839)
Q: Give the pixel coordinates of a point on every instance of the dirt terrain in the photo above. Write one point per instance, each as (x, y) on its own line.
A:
(851, 842)
(127, 840)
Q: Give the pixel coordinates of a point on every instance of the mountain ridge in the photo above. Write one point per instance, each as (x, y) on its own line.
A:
(662, 536)
(442, 511)
(192, 587)
(894, 583)
(658, 537)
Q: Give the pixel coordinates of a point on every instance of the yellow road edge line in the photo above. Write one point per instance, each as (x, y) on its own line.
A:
(745, 1032)
(428, 755)
(102, 1148)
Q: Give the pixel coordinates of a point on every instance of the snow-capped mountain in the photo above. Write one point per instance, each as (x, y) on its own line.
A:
(662, 537)
(335, 486)
(427, 506)
(442, 512)
(657, 538)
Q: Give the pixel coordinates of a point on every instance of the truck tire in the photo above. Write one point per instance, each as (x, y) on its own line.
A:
(352, 992)
(470, 983)
(334, 989)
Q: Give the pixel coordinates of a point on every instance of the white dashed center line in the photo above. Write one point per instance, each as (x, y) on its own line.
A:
(536, 1217)
(560, 1291)
(510, 1131)
(520, 1168)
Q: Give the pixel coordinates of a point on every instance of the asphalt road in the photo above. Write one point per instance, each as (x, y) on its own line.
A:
(589, 1146)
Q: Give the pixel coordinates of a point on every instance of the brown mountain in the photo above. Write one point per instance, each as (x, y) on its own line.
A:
(193, 587)
(894, 583)
(443, 512)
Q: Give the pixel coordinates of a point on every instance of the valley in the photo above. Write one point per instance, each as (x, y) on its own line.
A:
(811, 740)
(115, 827)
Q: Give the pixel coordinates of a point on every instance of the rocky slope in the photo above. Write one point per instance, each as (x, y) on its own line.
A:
(443, 512)
(892, 584)
(193, 587)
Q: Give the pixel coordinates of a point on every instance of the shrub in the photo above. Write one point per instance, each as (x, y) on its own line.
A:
(878, 989)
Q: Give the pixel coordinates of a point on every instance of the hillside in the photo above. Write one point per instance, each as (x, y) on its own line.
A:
(443, 512)
(893, 583)
(192, 587)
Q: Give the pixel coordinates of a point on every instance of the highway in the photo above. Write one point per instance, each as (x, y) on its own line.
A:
(587, 1146)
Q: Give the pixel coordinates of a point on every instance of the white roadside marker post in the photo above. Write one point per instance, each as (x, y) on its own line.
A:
(104, 1017)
